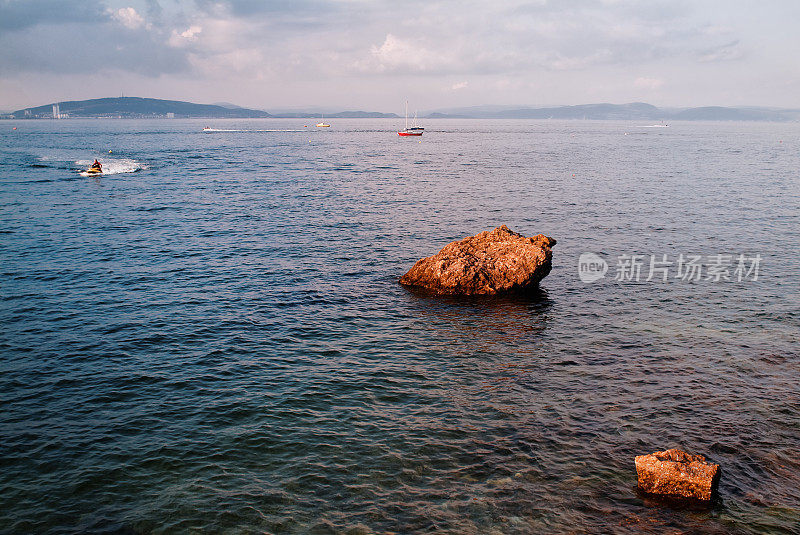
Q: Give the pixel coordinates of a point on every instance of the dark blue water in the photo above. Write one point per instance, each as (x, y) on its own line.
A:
(211, 337)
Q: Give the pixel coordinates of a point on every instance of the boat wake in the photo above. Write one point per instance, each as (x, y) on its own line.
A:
(112, 166)
(217, 130)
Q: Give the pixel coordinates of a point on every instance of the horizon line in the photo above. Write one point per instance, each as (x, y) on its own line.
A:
(344, 109)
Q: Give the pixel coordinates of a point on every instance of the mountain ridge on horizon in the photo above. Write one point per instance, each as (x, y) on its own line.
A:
(142, 107)
(629, 111)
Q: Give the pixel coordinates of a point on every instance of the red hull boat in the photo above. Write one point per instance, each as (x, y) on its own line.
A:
(413, 131)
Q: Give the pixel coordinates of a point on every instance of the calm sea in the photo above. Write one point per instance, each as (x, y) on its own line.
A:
(210, 338)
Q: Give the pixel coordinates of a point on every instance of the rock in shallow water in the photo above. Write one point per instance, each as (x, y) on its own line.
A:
(488, 263)
(675, 473)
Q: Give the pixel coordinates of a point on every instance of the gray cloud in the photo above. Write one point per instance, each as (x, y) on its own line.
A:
(154, 9)
(297, 13)
(69, 48)
(724, 52)
(22, 14)
(379, 38)
(274, 47)
(516, 37)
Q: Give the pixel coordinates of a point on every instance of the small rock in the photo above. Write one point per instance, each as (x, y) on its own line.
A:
(675, 473)
(488, 263)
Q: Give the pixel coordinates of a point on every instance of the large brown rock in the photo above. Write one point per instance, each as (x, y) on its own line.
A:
(676, 474)
(488, 263)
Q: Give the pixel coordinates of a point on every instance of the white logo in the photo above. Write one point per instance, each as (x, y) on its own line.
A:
(591, 267)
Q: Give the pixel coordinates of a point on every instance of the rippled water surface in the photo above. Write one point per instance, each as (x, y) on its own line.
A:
(211, 337)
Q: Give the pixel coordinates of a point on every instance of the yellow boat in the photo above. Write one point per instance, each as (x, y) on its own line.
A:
(323, 124)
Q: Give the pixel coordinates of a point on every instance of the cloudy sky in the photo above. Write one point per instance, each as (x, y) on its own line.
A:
(375, 54)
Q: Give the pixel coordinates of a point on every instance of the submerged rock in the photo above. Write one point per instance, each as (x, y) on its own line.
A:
(488, 263)
(676, 474)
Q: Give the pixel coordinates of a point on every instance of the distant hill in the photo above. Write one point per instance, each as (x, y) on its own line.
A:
(337, 115)
(363, 115)
(718, 113)
(636, 110)
(135, 107)
(226, 105)
(440, 115)
(633, 111)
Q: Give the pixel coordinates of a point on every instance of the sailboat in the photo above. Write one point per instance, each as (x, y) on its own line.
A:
(323, 124)
(413, 131)
(415, 128)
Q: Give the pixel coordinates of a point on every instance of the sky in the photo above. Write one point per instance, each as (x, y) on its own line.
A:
(374, 54)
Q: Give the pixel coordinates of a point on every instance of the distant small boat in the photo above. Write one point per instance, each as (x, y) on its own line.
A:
(323, 124)
(414, 130)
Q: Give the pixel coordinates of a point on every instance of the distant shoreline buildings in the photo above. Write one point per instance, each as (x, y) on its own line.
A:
(132, 108)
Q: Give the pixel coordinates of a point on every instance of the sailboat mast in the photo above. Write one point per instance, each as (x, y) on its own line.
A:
(406, 115)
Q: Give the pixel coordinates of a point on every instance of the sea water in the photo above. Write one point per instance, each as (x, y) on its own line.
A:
(210, 336)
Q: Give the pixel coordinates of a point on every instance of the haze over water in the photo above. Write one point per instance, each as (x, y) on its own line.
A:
(212, 338)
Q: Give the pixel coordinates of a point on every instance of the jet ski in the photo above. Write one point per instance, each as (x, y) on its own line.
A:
(95, 170)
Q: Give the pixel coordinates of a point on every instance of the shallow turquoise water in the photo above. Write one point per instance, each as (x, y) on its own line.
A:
(216, 341)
